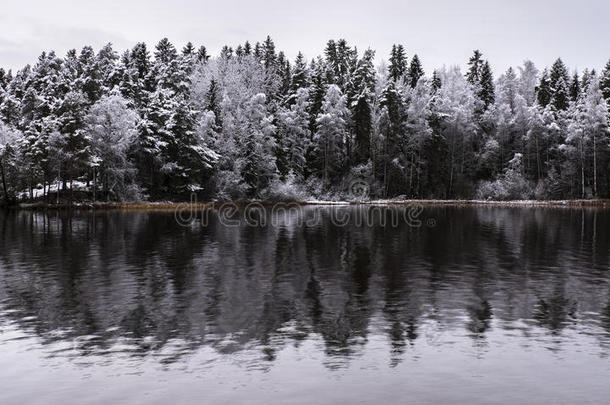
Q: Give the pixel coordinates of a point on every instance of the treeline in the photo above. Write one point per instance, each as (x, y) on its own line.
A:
(249, 123)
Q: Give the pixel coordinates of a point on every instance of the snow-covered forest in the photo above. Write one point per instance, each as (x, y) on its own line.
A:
(164, 123)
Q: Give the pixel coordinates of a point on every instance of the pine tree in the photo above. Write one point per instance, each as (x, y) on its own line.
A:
(11, 103)
(189, 49)
(436, 81)
(269, 56)
(575, 87)
(393, 114)
(544, 93)
(558, 81)
(136, 82)
(415, 71)
(202, 55)
(604, 82)
(226, 52)
(561, 96)
(106, 65)
(486, 86)
(284, 72)
(360, 98)
(3, 81)
(341, 60)
(317, 91)
(398, 62)
(473, 76)
(213, 104)
(247, 48)
(300, 73)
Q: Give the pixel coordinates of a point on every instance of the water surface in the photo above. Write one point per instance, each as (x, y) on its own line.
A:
(468, 305)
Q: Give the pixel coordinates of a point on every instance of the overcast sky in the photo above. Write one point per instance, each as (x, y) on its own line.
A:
(442, 32)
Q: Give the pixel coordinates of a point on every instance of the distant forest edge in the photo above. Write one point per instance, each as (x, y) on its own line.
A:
(166, 124)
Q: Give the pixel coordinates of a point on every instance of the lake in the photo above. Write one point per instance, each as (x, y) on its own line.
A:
(346, 304)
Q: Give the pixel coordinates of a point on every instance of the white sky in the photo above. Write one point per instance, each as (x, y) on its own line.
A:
(442, 32)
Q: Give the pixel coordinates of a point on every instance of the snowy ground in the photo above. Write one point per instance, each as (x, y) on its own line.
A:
(39, 192)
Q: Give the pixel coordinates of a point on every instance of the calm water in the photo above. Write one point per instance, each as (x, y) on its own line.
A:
(475, 305)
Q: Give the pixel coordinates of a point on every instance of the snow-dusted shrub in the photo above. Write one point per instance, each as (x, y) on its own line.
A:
(512, 185)
(288, 189)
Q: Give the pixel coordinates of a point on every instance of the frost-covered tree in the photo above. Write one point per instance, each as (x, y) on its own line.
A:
(559, 85)
(9, 138)
(331, 133)
(112, 130)
(362, 88)
(544, 93)
(418, 133)
(588, 125)
(415, 71)
(259, 167)
(293, 136)
(398, 62)
(528, 81)
(486, 85)
(455, 104)
(199, 117)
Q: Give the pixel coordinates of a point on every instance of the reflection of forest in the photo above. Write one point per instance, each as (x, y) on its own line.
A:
(140, 275)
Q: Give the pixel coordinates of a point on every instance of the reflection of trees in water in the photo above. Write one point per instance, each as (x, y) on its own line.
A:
(141, 277)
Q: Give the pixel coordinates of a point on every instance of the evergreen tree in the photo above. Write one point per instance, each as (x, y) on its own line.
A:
(475, 66)
(362, 88)
(300, 74)
(106, 65)
(415, 71)
(436, 82)
(189, 49)
(544, 93)
(398, 62)
(558, 81)
(202, 55)
(604, 82)
(247, 48)
(486, 85)
(317, 91)
(393, 115)
(561, 96)
(268, 54)
(214, 104)
(575, 87)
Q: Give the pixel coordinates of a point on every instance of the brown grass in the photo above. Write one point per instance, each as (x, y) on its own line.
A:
(171, 206)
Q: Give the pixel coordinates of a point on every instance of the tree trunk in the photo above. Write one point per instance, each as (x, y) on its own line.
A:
(94, 184)
(539, 169)
(58, 183)
(582, 166)
(4, 186)
(594, 165)
(325, 162)
(451, 154)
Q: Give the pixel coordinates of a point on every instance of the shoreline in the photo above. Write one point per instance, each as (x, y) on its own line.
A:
(170, 206)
